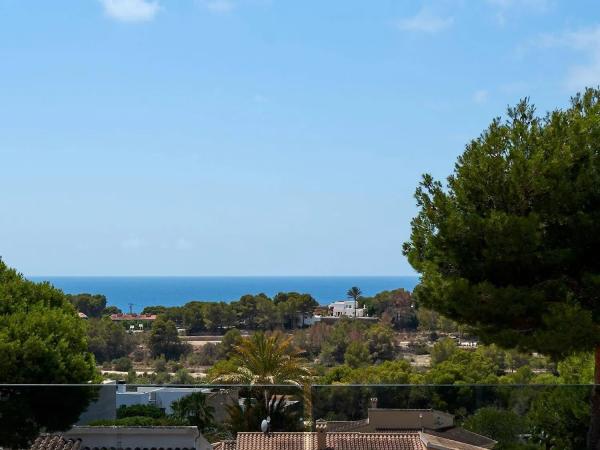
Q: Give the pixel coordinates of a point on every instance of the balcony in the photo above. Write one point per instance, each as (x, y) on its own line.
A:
(233, 417)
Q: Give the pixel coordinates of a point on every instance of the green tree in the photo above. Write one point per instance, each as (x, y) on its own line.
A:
(380, 339)
(464, 367)
(558, 416)
(122, 364)
(42, 340)
(510, 245)
(396, 304)
(230, 341)
(305, 305)
(165, 341)
(158, 309)
(499, 424)
(338, 338)
(249, 415)
(354, 293)
(111, 310)
(195, 410)
(108, 340)
(311, 339)
(388, 372)
(443, 350)
(253, 311)
(193, 317)
(218, 316)
(90, 305)
(357, 355)
(293, 304)
(183, 376)
(266, 359)
(267, 315)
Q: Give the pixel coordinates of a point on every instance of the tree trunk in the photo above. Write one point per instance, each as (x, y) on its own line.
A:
(593, 437)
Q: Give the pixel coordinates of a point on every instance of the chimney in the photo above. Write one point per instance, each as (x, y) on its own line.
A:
(373, 402)
(321, 434)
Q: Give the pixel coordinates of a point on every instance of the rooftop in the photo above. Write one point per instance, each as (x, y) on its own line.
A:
(410, 440)
(132, 316)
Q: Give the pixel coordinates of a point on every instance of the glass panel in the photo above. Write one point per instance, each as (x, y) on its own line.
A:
(170, 416)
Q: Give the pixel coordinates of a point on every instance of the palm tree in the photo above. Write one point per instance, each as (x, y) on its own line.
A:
(354, 293)
(266, 359)
(194, 409)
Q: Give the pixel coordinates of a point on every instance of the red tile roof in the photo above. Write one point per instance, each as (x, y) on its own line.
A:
(335, 441)
(133, 317)
(374, 441)
(224, 445)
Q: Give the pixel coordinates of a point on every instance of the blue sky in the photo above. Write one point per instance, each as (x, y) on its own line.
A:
(255, 137)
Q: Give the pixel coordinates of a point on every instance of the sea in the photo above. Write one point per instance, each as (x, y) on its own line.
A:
(140, 292)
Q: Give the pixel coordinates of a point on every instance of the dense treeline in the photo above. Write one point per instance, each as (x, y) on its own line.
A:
(501, 394)
(286, 310)
(251, 312)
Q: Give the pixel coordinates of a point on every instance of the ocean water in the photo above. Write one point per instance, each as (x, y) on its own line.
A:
(175, 291)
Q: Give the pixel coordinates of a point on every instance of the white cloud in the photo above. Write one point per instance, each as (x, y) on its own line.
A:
(425, 21)
(585, 41)
(218, 6)
(506, 7)
(132, 243)
(131, 10)
(480, 96)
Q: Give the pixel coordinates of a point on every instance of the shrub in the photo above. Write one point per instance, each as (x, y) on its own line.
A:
(140, 411)
(207, 355)
(122, 364)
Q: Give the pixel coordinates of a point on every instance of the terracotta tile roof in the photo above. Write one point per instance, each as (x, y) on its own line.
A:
(335, 441)
(276, 441)
(55, 442)
(374, 441)
(224, 445)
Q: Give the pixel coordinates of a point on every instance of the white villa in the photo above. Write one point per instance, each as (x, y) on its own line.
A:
(345, 308)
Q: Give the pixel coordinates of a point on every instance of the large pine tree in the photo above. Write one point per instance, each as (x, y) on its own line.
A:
(42, 341)
(510, 243)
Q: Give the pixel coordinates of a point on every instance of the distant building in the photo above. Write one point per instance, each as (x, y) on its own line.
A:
(346, 308)
(163, 398)
(323, 439)
(435, 424)
(132, 317)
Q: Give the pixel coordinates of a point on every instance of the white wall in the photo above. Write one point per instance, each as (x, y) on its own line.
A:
(345, 308)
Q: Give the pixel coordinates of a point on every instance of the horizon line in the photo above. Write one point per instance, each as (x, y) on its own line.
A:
(220, 276)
